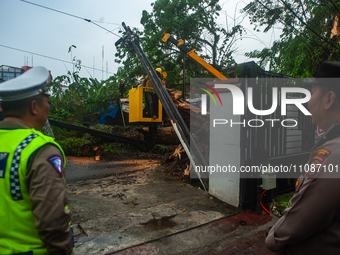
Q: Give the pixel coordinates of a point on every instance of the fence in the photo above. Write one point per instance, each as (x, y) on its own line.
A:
(275, 145)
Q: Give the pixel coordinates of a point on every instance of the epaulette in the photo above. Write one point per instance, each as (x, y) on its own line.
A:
(332, 133)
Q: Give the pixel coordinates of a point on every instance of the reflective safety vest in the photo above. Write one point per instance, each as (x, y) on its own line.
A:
(148, 86)
(18, 234)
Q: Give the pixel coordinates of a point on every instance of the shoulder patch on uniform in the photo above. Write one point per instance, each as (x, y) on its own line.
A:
(56, 162)
(297, 182)
(319, 156)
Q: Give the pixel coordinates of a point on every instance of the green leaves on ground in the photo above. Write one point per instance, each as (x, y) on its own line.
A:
(282, 202)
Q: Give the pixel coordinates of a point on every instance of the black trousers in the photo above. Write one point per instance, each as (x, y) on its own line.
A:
(151, 104)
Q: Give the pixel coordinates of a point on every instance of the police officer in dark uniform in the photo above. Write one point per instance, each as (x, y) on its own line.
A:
(34, 218)
(312, 224)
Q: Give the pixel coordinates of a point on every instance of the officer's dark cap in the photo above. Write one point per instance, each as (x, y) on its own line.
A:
(29, 84)
(328, 74)
(329, 69)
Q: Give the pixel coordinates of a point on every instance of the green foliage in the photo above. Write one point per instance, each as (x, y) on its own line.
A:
(72, 141)
(117, 147)
(194, 22)
(111, 148)
(83, 97)
(162, 149)
(283, 201)
(305, 39)
(62, 133)
(104, 128)
(72, 146)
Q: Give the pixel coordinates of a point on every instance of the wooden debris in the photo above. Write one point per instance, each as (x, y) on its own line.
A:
(174, 94)
(188, 169)
(178, 152)
(85, 149)
(98, 150)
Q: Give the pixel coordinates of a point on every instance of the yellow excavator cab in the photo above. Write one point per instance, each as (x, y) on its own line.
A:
(136, 107)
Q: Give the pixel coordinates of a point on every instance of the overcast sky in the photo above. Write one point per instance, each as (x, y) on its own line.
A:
(34, 29)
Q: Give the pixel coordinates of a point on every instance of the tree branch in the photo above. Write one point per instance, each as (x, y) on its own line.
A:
(167, 55)
(205, 41)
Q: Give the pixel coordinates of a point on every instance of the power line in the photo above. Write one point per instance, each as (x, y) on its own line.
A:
(301, 20)
(335, 6)
(111, 23)
(71, 15)
(40, 55)
(322, 39)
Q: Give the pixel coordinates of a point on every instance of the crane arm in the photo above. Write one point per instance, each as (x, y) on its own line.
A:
(191, 53)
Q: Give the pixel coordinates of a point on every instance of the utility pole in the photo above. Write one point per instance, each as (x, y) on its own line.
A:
(103, 62)
(107, 69)
(70, 51)
(183, 91)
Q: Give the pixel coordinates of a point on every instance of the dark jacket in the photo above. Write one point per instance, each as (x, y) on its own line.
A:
(312, 224)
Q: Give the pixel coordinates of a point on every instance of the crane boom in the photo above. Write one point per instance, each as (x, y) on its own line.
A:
(191, 53)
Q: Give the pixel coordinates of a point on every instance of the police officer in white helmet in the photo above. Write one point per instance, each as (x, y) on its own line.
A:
(34, 218)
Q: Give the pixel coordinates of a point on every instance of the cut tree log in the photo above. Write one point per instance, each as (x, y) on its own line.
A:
(98, 151)
(85, 149)
(174, 94)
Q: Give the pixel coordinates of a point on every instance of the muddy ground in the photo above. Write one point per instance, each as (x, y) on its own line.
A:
(125, 200)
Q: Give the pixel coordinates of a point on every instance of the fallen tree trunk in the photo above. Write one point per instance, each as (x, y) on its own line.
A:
(98, 151)
(197, 123)
(85, 149)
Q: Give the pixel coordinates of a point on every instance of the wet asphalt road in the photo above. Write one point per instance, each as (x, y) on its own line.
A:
(78, 171)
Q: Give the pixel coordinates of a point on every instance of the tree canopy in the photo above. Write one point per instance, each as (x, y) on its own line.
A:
(83, 97)
(309, 34)
(193, 21)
